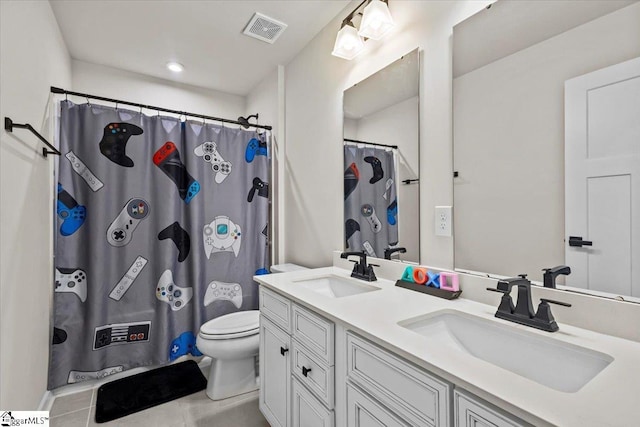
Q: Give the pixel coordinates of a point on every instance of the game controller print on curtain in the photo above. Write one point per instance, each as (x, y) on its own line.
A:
(155, 235)
(370, 201)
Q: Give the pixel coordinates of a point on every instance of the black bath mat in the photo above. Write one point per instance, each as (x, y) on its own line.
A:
(126, 396)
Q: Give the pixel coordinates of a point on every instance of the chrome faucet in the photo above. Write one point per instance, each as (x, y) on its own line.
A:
(361, 270)
(523, 312)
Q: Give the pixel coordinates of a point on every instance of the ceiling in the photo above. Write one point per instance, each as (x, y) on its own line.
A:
(480, 39)
(205, 36)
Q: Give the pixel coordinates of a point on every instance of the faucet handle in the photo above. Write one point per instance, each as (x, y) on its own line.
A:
(564, 304)
(374, 265)
(502, 291)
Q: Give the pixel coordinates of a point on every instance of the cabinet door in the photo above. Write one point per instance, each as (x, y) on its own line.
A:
(364, 411)
(275, 373)
(471, 412)
(307, 411)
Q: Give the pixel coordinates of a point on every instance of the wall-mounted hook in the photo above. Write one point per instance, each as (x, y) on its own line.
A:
(9, 125)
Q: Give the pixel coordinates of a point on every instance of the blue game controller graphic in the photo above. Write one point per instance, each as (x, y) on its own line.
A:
(72, 214)
(255, 147)
(392, 212)
(194, 188)
(184, 344)
(262, 272)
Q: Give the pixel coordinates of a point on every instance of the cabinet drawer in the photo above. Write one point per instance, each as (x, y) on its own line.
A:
(276, 307)
(363, 411)
(469, 411)
(314, 332)
(313, 373)
(306, 410)
(421, 398)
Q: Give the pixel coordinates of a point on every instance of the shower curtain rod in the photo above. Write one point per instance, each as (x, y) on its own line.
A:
(395, 147)
(58, 90)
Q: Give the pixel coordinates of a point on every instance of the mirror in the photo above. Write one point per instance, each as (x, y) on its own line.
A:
(381, 152)
(515, 99)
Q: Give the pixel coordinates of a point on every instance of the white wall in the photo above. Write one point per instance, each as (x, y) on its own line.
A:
(264, 99)
(315, 81)
(119, 84)
(509, 146)
(33, 57)
(398, 125)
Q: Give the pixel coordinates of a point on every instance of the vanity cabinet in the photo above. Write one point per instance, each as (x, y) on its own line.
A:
(306, 411)
(275, 370)
(300, 365)
(413, 394)
(364, 411)
(297, 379)
(469, 411)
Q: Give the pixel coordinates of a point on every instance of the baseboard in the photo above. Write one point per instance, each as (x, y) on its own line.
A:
(46, 402)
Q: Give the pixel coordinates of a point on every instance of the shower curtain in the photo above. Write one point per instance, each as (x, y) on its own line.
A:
(161, 224)
(370, 201)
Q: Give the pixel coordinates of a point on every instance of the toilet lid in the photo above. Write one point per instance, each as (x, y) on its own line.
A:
(241, 323)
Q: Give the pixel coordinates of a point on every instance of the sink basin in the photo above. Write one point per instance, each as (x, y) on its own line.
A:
(336, 286)
(547, 361)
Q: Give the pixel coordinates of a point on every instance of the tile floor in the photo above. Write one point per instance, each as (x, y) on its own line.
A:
(196, 410)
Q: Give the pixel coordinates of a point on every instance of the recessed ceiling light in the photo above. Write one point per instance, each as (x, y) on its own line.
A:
(176, 67)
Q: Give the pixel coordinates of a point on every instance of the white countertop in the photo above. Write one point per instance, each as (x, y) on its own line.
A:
(612, 398)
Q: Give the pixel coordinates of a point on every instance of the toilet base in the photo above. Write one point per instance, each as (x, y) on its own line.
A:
(228, 378)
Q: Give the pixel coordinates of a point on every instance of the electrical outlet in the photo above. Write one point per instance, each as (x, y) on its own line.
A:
(443, 221)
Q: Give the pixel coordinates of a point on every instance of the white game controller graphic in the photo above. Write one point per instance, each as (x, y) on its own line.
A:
(369, 249)
(121, 229)
(209, 153)
(387, 189)
(221, 235)
(223, 291)
(72, 280)
(172, 294)
(369, 213)
(78, 376)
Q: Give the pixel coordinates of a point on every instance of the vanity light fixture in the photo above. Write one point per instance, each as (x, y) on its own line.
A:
(348, 43)
(176, 67)
(376, 20)
(375, 23)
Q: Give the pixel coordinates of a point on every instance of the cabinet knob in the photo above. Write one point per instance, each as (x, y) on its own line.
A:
(283, 350)
(305, 371)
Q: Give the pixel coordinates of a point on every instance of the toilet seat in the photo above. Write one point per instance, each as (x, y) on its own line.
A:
(233, 325)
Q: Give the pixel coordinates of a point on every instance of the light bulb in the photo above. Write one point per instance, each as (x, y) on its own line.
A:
(176, 67)
(376, 20)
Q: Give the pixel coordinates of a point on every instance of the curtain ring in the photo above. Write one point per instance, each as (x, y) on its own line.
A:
(88, 103)
(116, 106)
(141, 110)
(66, 96)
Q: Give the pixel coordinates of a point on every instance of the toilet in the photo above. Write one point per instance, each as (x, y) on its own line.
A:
(232, 341)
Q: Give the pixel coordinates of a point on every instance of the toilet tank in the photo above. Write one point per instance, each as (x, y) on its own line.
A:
(286, 268)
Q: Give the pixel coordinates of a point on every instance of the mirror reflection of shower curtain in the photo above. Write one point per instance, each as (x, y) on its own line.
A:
(370, 199)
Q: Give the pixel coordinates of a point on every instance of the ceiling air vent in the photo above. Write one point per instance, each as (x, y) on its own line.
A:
(264, 28)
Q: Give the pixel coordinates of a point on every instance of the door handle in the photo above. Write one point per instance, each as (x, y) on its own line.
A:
(305, 371)
(577, 241)
(283, 350)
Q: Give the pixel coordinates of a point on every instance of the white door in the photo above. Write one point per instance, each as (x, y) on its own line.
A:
(602, 179)
(275, 373)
